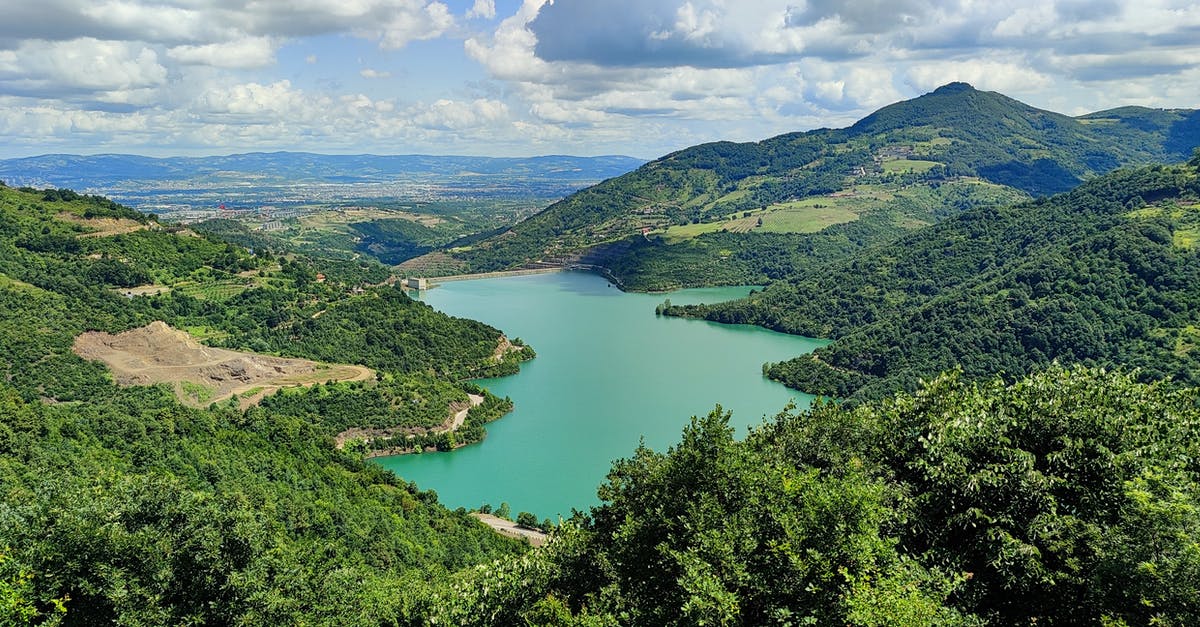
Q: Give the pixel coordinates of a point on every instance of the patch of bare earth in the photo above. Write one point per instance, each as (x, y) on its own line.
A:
(457, 415)
(103, 227)
(142, 290)
(157, 353)
(504, 347)
(511, 529)
(432, 264)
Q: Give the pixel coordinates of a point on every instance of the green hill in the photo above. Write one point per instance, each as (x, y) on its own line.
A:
(1107, 274)
(124, 506)
(1065, 498)
(727, 212)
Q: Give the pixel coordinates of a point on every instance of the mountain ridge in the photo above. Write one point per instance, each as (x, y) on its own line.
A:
(955, 134)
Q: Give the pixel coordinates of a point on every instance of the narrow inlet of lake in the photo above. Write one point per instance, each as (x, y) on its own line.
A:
(609, 373)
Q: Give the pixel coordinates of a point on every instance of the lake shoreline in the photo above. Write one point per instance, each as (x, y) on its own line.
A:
(609, 374)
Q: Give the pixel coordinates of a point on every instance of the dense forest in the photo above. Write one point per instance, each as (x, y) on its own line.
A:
(122, 505)
(1107, 274)
(1069, 497)
(955, 137)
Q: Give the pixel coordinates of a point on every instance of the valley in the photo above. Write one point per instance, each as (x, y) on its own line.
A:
(201, 421)
(609, 373)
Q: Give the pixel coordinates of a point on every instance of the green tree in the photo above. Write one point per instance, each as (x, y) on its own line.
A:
(716, 532)
(18, 601)
(527, 520)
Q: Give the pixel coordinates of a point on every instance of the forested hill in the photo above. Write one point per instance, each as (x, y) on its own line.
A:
(124, 505)
(1065, 498)
(1008, 142)
(1107, 274)
(699, 215)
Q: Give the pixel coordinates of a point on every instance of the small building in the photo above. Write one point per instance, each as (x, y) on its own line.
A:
(414, 283)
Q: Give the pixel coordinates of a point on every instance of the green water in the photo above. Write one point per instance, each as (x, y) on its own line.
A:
(608, 373)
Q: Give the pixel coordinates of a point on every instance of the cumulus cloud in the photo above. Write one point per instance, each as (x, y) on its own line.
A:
(174, 23)
(452, 115)
(634, 76)
(483, 9)
(249, 53)
(648, 33)
(79, 66)
(581, 62)
(428, 22)
(1002, 76)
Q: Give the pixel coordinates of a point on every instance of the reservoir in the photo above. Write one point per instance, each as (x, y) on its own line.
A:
(609, 373)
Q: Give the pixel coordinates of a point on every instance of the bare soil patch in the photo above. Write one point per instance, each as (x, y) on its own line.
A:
(510, 529)
(157, 353)
(103, 227)
(504, 347)
(143, 290)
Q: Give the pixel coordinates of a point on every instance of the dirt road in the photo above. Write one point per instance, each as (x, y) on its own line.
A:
(510, 529)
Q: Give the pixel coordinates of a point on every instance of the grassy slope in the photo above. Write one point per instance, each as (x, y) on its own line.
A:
(1096, 276)
(965, 131)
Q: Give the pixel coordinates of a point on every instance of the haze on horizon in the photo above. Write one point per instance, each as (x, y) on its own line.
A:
(584, 77)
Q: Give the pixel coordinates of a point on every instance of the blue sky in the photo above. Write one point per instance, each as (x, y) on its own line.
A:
(508, 77)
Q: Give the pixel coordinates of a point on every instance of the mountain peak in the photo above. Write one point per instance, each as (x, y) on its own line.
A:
(956, 106)
(954, 88)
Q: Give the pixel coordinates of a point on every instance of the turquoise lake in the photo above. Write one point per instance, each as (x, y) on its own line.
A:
(609, 373)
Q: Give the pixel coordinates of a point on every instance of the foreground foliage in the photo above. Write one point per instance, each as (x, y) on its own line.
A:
(1067, 497)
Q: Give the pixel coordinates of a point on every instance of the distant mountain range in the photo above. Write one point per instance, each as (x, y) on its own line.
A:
(111, 170)
(706, 214)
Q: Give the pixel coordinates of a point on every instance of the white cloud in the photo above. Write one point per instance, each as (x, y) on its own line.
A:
(156, 22)
(253, 99)
(429, 22)
(249, 53)
(453, 115)
(693, 23)
(633, 76)
(1003, 76)
(483, 9)
(81, 65)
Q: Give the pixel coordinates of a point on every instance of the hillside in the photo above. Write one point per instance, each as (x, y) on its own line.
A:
(705, 214)
(124, 505)
(1068, 497)
(1107, 274)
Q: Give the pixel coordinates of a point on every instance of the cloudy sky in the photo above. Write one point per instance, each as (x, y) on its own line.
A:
(587, 77)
